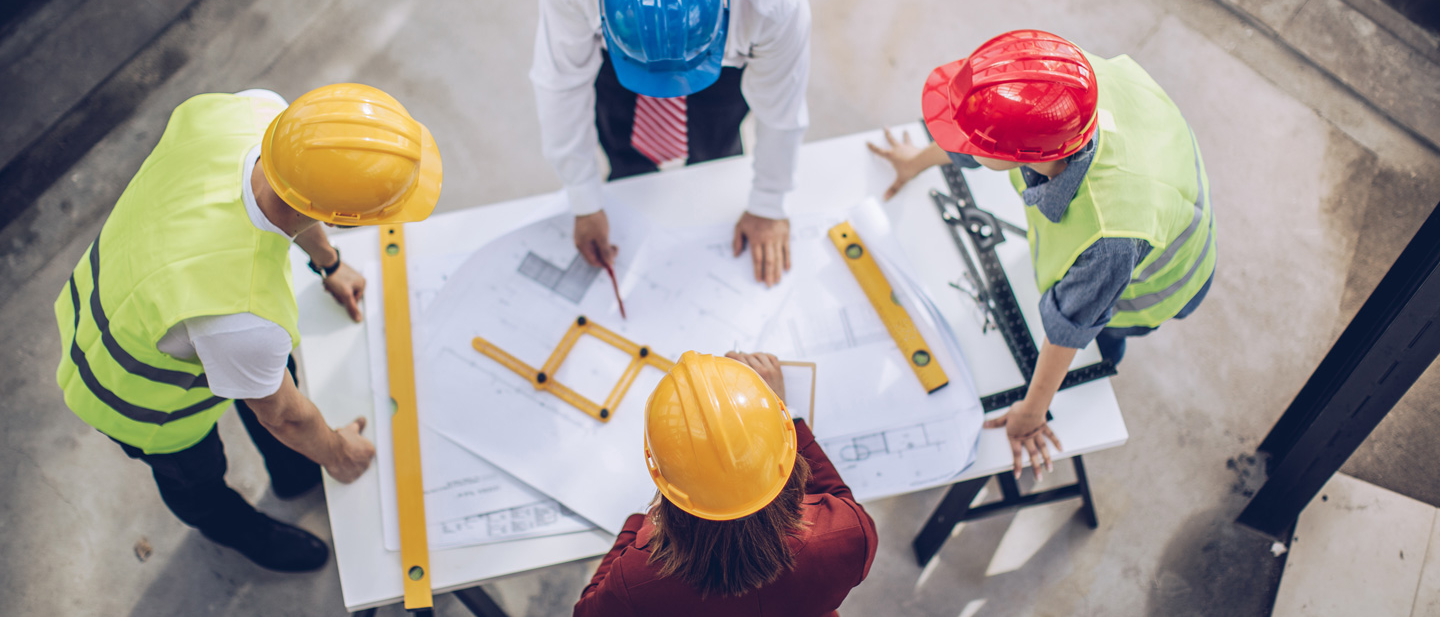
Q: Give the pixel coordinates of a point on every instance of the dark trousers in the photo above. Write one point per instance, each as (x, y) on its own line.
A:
(192, 481)
(712, 121)
(1111, 341)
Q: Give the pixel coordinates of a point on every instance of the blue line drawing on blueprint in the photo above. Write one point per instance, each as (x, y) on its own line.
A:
(882, 463)
(848, 327)
(896, 441)
(507, 522)
(570, 283)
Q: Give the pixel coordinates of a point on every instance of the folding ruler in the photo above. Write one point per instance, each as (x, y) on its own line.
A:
(544, 377)
(404, 425)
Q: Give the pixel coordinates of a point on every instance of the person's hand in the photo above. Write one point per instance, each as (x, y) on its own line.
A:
(1027, 431)
(353, 453)
(905, 156)
(347, 286)
(592, 239)
(769, 241)
(767, 365)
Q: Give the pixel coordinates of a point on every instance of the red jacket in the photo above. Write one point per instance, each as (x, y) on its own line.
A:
(833, 553)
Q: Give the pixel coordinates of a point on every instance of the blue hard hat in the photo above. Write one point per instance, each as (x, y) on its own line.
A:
(666, 48)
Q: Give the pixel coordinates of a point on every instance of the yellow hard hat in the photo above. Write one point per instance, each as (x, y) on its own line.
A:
(350, 154)
(718, 441)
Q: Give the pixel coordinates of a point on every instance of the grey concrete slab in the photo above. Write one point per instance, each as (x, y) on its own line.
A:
(1384, 59)
(55, 72)
(1273, 13)
(1371, 60)
(29, 23)
(1358, 550)
(1301, 79)
(1311, 186)
(223, 46)
(1423, 40)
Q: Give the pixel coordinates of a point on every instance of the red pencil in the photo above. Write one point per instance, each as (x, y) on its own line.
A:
(615, 284)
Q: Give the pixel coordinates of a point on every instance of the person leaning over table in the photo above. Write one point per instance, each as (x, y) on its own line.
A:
(751, 518)
(660, 81)
(1116, 198)
(184, 301)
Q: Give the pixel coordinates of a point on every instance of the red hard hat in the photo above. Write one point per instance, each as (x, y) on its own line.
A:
(1025, 96)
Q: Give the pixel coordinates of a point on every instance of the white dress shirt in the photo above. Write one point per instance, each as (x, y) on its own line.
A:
(770, 38)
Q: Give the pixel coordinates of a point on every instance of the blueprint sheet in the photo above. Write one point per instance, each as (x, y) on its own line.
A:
(879, 427)
(467, 500)
(683, 290)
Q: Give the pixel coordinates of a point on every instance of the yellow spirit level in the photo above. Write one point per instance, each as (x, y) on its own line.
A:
(887, 304)
(404, 426)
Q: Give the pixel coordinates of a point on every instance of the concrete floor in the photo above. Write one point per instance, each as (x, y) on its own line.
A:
(1315, 190)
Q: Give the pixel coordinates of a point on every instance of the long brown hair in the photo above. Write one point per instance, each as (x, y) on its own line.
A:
(730, 558)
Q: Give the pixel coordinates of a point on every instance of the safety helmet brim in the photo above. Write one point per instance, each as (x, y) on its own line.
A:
(669, 83)
(939, 111)
(421, 201)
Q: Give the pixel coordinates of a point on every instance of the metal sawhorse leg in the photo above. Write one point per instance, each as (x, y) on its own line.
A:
(474, 598)
(955, 507)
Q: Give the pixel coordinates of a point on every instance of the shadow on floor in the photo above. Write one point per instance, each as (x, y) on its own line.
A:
(204, 578)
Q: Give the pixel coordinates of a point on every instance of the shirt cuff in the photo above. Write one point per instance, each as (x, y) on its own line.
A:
(584, 198)
(963, 160)
(1064, 332)
(768, 204)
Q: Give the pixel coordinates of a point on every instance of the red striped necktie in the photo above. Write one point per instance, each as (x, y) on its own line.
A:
(660, 133)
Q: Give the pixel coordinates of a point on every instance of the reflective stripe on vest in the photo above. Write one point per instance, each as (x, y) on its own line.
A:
(179, 244)
(179, 379)
(126, 408)
(1140, 303)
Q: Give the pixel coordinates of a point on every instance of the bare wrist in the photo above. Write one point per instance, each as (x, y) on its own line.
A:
(933, 155)
(334, 448)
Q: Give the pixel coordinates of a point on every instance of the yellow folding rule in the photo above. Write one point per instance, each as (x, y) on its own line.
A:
(544, 377)
(887, 304)
(404, 426)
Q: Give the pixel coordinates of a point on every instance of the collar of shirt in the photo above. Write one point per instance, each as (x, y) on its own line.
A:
(1053, 195)
(247, 192)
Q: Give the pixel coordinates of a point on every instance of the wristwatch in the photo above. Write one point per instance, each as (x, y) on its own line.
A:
(327, 271)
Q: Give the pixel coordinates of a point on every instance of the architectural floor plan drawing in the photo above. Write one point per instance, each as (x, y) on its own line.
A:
(459, 486)
(887, 462)
(678, 298)
(894, 442)
(684, 289)
(509, 522)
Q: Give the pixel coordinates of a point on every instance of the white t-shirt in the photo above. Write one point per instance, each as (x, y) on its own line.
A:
(244, 354)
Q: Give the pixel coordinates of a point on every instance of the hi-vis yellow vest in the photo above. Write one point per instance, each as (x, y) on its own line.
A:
(177, 245)
(1146, 181)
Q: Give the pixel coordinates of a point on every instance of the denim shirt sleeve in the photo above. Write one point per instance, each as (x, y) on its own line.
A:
(963, 160)
(1083, 301)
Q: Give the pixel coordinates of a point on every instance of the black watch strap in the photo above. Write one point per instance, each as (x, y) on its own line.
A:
(327, 271)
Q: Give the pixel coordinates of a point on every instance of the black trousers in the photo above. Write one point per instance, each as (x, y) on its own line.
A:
(192, 481)
(712, 119)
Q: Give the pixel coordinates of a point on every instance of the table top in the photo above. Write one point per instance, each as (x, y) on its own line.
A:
(834, 175)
